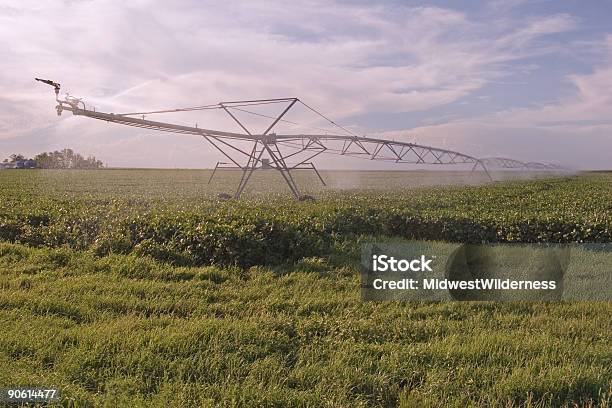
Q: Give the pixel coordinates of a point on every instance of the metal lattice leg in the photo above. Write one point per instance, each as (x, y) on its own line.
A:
(318, 175)
(281, 166)
(213, 173)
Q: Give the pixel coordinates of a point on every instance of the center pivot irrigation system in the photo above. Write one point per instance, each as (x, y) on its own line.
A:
(269, 150)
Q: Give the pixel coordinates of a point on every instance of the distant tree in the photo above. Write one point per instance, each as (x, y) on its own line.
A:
(16, 157)
(43, 161)
(66, 159)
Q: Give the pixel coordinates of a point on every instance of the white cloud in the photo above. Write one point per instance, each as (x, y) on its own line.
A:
(576, 130)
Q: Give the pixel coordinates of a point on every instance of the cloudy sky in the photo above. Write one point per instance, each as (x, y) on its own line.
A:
(530, 80)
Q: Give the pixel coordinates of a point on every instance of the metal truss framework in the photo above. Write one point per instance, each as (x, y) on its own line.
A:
(504, 163)
(269, 150)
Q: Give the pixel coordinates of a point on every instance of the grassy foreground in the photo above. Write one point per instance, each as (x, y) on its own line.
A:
(128, 331)
(149, 325)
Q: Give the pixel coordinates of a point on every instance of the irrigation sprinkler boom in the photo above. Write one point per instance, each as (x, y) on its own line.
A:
(504, 163)
(271, 150)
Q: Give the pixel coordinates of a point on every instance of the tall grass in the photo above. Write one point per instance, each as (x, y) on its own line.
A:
(130, 331)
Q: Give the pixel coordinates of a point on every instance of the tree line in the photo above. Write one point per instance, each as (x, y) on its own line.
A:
(59, 159)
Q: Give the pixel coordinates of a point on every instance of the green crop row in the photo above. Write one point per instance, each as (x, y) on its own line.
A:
(268, 231)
